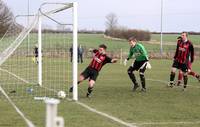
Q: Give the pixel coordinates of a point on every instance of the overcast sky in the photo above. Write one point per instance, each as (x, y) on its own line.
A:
(178, 15)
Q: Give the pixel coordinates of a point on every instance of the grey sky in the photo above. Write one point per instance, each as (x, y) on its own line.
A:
(178, 15)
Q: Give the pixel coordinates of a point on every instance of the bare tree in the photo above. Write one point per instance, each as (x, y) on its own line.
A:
(111, 22)
(6, 17)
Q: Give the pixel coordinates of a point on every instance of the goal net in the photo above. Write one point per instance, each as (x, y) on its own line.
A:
(34, 53)
(35, 59)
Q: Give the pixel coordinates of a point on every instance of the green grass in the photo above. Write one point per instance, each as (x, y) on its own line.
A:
(112, 95)
(93, 40)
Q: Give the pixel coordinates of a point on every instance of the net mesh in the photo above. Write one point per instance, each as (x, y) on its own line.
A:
(19, 62)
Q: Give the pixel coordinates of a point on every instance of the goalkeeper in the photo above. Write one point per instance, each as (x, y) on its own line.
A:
(141, 63)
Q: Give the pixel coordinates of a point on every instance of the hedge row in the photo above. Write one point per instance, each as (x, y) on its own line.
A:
(140, 35)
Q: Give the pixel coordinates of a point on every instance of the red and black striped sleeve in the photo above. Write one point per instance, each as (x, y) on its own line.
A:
(108, 59)
(176, 53)
(94, 50)
(191, 48)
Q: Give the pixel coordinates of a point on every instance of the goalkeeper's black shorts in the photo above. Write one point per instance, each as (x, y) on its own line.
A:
(138, 65)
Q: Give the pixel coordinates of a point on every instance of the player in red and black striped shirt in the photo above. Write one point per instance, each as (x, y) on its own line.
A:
(184, 53)
(92, 71)
(190, 71)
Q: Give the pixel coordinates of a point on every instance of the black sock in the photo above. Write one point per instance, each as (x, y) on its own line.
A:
(132, 77)
(172, 76)
(185, 78)
(90, 89)
(142, 78)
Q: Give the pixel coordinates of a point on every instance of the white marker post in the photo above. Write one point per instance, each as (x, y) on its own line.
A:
(51, 114)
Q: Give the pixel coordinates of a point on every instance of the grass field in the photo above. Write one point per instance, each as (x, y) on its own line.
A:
(158, 107)
(173, 37)
(93, 40)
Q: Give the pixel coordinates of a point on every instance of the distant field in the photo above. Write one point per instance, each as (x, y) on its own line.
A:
(93, 40)
(173, 37)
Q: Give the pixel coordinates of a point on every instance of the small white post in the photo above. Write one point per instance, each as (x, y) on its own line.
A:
(75, 54)
(40, 51)
(51, 112)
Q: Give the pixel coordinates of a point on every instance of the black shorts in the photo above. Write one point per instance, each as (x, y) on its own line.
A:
(181, 66)
(138, 65)
(90, 73)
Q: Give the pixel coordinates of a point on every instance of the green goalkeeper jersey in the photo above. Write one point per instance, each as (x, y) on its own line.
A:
(139, 52)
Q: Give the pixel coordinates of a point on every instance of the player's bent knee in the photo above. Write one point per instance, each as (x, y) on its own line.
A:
(129, 71)
(185, 74)
(81, 78)
(173, 70)
(173, 73)
(91, 83)
(142, 73)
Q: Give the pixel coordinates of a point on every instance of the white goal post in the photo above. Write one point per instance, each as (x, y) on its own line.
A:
(75, 53)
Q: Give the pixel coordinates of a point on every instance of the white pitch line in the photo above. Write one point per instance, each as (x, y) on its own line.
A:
(166, 82)
(28, 122)
(130, 124)
(107, 116)
(15, 75)
(167, 123)
(162, 81)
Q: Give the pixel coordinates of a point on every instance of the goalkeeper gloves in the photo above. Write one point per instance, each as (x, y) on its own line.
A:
(148, 65)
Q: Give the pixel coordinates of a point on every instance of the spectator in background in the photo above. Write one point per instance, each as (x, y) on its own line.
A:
(71, 53)
(80, 54)
(35, 59)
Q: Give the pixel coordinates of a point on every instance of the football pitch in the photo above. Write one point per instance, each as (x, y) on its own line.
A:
(113, 98)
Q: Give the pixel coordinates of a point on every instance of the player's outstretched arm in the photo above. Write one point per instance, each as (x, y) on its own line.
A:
(90, 50)
(113, 60)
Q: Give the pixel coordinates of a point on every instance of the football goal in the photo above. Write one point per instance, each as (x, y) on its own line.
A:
(34, 52)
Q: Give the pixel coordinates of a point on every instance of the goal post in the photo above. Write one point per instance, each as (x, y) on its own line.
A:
(75, 54)
(40, 50)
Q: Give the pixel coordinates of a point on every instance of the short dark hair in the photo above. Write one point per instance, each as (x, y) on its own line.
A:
(185, 33)
(103, 46)
(132, 39)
